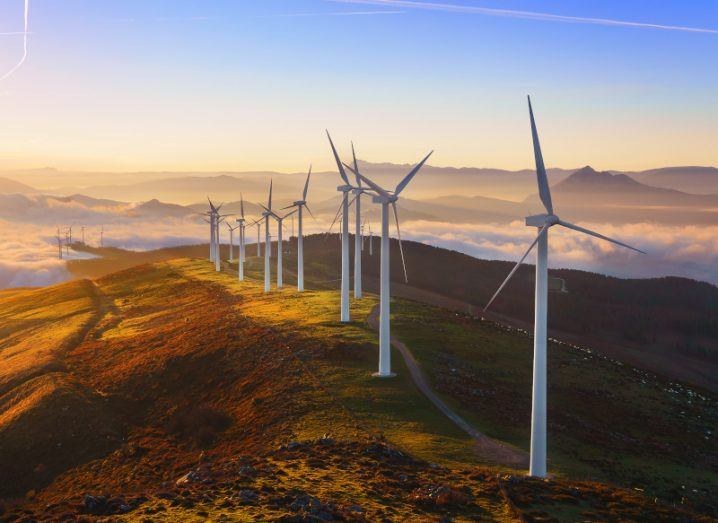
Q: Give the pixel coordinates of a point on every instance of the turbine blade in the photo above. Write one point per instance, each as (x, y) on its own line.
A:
(336, 216)
(309, 211)
(402, 185)
(287, 207)
(401, 247)
(544, 191)
(369, 182)
(270, 193)
(356, 167)
(516, 267)
(241, 204)
(342, 172)
(597, 235)
(306, 184)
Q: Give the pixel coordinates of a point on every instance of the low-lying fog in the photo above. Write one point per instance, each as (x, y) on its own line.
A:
(30, 249)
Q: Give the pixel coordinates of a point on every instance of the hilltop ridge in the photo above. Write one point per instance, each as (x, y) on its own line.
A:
(201, 396)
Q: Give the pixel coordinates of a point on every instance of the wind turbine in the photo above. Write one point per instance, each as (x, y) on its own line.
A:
(301, 205)
(213, 230)
(231, 240)
(371, 241)
(217, 258)
(387, 198)
(345, 190)
(543, 222)
(82, 229)
(59, 244)
(242, 225)
(258, 223)
(280, 226)
(358, 248)
(267, 240)
(363, 225)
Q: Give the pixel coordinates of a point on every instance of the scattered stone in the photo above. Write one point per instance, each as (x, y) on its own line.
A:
(95, 504)
(191, 477)
(247, 497)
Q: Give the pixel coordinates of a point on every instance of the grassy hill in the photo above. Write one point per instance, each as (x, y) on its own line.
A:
(169, 392)
(664, 325)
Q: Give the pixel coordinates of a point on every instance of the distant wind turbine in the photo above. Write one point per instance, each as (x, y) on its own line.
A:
(280, 226)
(242, 226)
(387, 198)
(345, 190)
(358, 247)
(300, 206)
(231, 241)
(267, 240)
(59, 244)
(258, 223)
(543, 222)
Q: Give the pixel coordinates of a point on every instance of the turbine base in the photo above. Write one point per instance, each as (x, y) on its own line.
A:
(380, 375)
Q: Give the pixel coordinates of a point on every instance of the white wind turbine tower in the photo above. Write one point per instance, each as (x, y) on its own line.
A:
(371, 241)
(242, 225)
(301, 205)
(543, 222)
(214, 220)
(280, 226)
(267, 239)
(59, 244)
(345, 190)
(358, 247)
(258, 223)
(218, 219)
(386, 198)
(231, 241)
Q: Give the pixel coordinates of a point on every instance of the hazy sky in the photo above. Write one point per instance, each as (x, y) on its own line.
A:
(241, 84)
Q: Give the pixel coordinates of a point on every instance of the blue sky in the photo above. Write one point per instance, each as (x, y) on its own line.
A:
(238, 84)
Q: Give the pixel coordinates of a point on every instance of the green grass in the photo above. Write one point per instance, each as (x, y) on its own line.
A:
(393, 408)
(607, 421)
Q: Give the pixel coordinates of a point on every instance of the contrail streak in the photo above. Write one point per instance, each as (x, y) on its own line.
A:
(527, 15)
(24, 44)
(340, 13)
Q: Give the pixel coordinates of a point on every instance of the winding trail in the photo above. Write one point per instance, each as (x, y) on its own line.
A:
(491, 449)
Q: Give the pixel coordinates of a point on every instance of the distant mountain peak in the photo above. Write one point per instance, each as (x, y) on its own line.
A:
(589, 177)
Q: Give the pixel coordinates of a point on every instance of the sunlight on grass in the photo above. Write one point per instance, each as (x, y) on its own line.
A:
(393, 407)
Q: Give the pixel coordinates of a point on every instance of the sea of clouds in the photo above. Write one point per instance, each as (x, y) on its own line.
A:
(29, 248)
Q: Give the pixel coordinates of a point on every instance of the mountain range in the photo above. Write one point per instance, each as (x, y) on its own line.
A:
(432, 182)
(584, 194)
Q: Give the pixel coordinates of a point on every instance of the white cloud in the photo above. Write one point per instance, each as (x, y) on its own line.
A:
(689, 251)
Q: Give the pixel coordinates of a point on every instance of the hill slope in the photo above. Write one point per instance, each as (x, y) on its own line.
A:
(219, 399)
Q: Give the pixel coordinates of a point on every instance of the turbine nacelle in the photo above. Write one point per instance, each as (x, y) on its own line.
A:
(298, 203)
(542, 220)
(384, 198)
(345, 188)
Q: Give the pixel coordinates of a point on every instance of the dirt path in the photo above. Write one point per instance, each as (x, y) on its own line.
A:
(491, 449)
